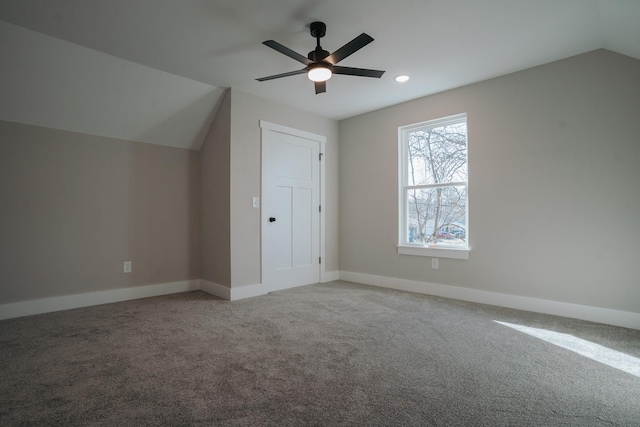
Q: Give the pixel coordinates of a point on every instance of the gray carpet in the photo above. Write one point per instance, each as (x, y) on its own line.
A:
(330, 354)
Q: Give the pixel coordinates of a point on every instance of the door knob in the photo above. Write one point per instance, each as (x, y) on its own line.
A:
(272, 219)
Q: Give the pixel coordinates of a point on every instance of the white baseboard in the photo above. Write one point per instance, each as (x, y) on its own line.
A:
(46, 305)
(594, 314)
(232, 294)
(249, 291)
(67, 302)
(215, 289)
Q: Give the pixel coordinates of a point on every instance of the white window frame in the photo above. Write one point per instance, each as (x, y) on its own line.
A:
(418, 249)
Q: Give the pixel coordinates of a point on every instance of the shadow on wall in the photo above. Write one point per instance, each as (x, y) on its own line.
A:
(163, 219)
(164, 197)
(196, 117)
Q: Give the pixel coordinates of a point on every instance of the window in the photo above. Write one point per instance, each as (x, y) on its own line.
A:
(433, 183)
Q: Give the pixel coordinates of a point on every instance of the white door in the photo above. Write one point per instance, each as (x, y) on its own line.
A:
(290, 209)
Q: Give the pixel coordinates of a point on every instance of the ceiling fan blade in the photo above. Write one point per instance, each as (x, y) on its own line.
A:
(321, 87)
(277, 76)
(286, 51)
(354, 45)
(349, 71)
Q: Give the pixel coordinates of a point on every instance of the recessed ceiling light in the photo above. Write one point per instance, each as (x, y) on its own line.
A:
(401, 78)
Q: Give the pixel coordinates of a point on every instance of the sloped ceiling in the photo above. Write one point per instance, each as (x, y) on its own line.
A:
(157, 68)
(52, 83)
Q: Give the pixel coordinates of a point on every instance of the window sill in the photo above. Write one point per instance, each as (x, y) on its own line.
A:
(434, 252)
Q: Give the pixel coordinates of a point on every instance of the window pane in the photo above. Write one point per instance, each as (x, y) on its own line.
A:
(437, 155)
(437, 215)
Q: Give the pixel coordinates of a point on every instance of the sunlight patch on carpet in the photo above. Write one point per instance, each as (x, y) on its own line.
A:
(585, 348)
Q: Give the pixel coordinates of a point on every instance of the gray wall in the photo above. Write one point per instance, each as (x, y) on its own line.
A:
(554, 184)
(215, 196)
(75, 206)
(246, 112)
(231, 177)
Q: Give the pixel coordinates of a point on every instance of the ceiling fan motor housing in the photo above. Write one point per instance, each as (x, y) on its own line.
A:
(318, 29)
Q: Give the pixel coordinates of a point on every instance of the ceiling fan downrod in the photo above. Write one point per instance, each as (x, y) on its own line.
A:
(318, 30)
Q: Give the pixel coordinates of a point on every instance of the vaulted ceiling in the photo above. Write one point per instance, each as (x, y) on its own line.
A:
(214, 44)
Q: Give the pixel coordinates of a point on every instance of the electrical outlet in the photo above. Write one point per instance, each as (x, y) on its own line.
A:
(434, 263)
(127, 266)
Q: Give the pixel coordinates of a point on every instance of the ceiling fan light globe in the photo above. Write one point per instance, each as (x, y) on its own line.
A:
(319, 74)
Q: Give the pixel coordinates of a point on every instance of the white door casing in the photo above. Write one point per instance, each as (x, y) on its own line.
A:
(292, 224)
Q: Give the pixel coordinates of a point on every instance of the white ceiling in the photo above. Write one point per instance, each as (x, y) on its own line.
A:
(441, 44)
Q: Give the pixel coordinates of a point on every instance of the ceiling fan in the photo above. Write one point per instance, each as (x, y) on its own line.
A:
(320, 65)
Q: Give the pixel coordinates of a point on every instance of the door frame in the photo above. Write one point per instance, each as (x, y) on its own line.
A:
(265, 127)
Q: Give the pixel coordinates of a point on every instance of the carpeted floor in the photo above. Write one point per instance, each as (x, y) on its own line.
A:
(328, 355)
